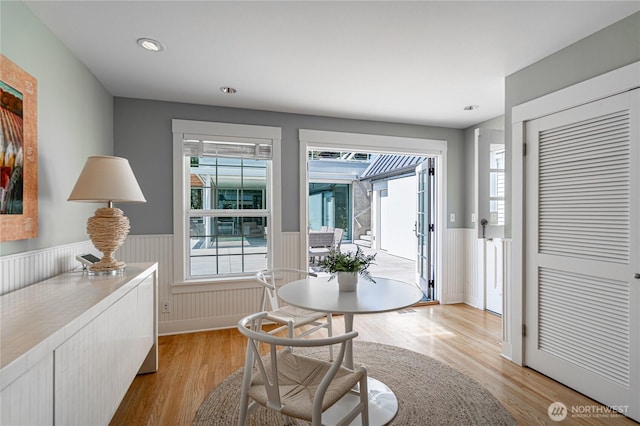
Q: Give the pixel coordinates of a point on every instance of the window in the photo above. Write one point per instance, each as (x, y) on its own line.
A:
(496, 184)
(330, 205)
(225, 209)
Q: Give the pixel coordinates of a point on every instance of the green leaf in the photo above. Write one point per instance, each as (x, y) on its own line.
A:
(337, 261)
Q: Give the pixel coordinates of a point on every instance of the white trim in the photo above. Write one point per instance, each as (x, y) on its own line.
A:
(200, 286)
(20, 270)
(180, 175)
(609, 84)
(602, 86)
(320, 180)
(382, 144)
(167, 328)
(210, 128)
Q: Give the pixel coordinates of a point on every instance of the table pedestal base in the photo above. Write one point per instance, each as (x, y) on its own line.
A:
(383, 405)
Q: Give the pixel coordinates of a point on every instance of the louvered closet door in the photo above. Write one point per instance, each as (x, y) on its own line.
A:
(582, 249)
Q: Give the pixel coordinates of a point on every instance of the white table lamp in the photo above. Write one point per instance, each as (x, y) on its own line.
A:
(107, 180)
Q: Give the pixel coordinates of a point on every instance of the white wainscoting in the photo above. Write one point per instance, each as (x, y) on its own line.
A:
(456, 269)
(207, 309)
(23, 269)
(291, 250)
(472, 290)
(200, 310)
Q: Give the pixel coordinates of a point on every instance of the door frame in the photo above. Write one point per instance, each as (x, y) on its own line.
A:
(341, 141)
(425, 165)
(480, 244)
(603, 86)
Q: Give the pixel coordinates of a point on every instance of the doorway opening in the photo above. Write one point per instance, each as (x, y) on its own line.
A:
(389, 203)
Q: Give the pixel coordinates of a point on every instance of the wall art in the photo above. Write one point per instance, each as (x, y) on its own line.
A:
(18, 153)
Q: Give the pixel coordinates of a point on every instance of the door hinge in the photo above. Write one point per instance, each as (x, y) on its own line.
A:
(431, 290)
(432, 171)
(524, 330)
(524, 149)
(432, 228)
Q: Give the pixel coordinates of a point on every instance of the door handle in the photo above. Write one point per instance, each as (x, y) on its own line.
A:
(484, 223)
(636, 275)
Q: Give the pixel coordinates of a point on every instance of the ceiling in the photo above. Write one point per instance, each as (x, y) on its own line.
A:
(414, 62)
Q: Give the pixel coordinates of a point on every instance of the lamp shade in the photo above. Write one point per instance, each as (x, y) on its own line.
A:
(107, 179)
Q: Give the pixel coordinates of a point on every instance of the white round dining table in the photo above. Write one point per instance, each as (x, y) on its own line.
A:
(383, 295)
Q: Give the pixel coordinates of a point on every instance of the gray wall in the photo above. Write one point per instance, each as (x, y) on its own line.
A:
(77, 117)
(496, 123)
(606, 50)
(75, 120)
(142, 131)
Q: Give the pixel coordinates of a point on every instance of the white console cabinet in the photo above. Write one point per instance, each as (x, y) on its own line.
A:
(72, 345)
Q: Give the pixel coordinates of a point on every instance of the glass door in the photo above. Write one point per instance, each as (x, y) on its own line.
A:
(425, 228)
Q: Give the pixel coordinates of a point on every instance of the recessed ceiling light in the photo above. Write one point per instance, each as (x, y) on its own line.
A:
(227, 89)
(471, 107)
(150, 44)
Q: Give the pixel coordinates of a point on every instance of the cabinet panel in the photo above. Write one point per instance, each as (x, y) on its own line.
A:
(95, 367)
(72, 345)
(29, 399)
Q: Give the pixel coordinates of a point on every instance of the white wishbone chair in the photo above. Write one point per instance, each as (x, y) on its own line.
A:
(290, 317)
(295, 385)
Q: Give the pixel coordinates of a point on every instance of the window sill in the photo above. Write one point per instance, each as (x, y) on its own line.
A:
(199, 286)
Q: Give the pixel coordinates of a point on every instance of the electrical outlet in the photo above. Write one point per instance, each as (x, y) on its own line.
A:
(166, 307)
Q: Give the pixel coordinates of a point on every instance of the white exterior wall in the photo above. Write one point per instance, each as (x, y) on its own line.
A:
(397, 218)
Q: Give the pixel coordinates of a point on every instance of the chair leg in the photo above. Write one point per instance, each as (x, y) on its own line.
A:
(330, 333)
(246, 382)
(244, 406)
(364, 399)
(290, 330)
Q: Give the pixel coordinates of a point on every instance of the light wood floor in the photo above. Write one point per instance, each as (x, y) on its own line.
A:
(191, 365)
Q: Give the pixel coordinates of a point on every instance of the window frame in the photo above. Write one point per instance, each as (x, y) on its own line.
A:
(187, 129)
(498, 198)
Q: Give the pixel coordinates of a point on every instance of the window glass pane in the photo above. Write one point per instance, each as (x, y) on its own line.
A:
(330, 206)
(227, 245)
(496, 212)
(496, 184)
(227, 183)
(496, 156)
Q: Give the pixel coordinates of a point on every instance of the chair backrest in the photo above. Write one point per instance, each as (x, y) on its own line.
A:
(251, 327)
(321, 239)
(337, 238)
(272, 280)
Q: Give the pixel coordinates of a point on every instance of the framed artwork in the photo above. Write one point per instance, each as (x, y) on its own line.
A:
(18, 153)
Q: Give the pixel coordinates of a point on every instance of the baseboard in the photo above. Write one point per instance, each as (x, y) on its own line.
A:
(452, 298)
(166, 328)
(473, 303)
(506, 351)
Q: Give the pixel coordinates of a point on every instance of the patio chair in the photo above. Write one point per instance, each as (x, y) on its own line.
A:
(295, 385)
(320, 243)
(289, 317)
(337, 238)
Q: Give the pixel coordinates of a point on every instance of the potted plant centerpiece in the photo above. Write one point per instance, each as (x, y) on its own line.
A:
(347, 266)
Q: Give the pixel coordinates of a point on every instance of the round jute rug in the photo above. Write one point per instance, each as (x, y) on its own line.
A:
(429, 392)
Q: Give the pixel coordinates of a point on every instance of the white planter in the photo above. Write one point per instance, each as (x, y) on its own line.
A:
(347, 281)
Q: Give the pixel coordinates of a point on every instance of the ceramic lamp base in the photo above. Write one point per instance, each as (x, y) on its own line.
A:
(107, 230)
